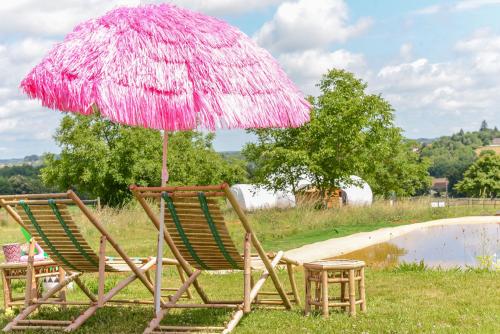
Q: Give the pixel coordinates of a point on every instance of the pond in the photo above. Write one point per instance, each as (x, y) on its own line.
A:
(445, 246)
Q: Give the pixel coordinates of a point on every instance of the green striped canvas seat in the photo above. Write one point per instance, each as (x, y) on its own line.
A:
(197, 226)
(53, 227)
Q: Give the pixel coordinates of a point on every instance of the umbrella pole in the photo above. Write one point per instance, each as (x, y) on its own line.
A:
(159, 255)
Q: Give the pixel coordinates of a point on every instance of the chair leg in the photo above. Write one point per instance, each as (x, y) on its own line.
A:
(182, 275)
(107, 297)
(7, 292)
(293, 284)
(238, 315)
(247, 273)
(31, 286)
(31, 308)
(62, 293)
(102, 273)
(160, 315)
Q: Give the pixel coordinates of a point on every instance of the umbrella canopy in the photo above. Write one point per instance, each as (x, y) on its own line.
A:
(164, 67)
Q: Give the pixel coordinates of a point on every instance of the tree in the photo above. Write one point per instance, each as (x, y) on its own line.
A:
(484, 126)
(100, 158)
(450, 156)
(482, 178)
(350, 133)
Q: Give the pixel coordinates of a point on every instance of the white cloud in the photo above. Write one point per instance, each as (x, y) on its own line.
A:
(52, 17)
(458, 93)
(428, 10)
(474, 4)
(484, 47)
(224, 7)
(22, 121)
(460, 6)
(406, 51)
(305, 24)
(307, 67)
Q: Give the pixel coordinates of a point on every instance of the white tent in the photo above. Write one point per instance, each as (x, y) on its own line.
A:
(357, 194)
(251, 197)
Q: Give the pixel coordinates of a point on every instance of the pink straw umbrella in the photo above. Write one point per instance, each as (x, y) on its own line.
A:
(166, 68)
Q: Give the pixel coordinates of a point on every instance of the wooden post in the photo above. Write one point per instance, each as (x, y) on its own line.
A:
(352, 293)
(102, 271)
(98, 203)
(362, 293)
(307, 307)
(324, 290)
(257, 246)
(247, 273)
(31, 287)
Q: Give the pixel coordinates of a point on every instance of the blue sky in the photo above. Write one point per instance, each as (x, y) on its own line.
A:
(436, 62)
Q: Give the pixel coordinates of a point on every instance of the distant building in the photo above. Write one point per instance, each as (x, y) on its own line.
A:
(495, 146)
(440, 186)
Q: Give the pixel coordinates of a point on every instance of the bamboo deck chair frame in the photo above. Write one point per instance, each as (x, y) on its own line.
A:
(196, 233)
(47, 218)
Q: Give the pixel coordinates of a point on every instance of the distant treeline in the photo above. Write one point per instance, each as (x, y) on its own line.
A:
(451, 156)
(21, 179)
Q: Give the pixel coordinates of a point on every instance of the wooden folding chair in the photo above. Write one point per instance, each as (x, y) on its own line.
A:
(197, 235)
(47, 218)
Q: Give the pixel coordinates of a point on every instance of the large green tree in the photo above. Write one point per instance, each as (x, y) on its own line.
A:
(100, 158)
(351, 132)
(482, 178)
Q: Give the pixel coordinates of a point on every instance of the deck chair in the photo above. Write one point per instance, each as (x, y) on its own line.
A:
(47, 218)
(197, 235)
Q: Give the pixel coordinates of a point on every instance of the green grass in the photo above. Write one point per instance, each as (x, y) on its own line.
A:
(398, 302)
(409, 299)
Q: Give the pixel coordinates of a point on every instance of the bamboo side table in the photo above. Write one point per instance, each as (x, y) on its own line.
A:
(21, 271)
(348, 273)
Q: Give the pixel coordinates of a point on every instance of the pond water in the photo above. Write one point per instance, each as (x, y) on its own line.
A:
(438, 246)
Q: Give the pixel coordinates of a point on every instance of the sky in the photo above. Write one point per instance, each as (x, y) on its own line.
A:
(436, 62)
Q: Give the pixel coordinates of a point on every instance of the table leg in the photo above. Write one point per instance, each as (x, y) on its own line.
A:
(324, 290)
(362, 293)
(352, 293)
(307, 306)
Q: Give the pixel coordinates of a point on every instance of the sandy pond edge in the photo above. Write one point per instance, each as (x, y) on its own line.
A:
(338, 246)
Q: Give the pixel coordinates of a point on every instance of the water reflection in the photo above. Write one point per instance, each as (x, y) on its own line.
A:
(444, 246)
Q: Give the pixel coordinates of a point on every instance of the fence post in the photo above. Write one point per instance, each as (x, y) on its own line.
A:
(98, 203)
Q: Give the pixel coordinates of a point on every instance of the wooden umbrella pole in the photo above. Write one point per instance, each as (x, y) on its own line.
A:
(159, 255)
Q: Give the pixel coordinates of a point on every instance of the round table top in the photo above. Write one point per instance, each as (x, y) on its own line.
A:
(334, 264)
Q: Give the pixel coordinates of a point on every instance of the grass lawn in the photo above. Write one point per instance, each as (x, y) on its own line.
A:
(398, 301)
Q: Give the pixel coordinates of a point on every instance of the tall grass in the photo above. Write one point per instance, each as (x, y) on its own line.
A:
(276, 229)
